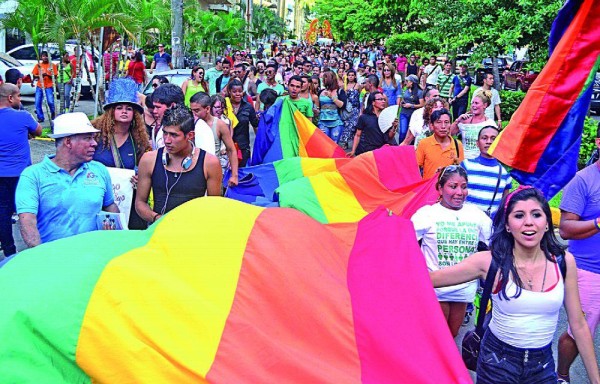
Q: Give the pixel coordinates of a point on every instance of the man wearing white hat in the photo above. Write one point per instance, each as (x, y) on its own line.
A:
(61, 196)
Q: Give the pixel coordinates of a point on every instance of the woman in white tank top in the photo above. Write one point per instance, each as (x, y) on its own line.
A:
(527, 295)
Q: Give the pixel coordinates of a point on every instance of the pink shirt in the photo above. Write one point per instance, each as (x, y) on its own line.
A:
(401, 63)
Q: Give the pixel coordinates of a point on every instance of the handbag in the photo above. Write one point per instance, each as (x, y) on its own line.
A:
(346, 111)
(471, 343)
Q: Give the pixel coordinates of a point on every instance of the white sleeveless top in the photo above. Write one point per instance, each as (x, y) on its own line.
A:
(530, 320)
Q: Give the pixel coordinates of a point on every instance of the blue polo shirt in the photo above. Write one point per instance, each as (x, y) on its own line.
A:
(65, 205)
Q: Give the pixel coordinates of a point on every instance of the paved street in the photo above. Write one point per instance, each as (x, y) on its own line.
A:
(40, 148)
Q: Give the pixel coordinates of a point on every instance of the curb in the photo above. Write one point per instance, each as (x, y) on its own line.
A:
(555, 216)
(43, 139)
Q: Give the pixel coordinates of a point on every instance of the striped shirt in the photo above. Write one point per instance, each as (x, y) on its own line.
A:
(483, 177)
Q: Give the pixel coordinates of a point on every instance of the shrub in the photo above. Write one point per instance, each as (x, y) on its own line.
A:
(510, 102)
(588, 143)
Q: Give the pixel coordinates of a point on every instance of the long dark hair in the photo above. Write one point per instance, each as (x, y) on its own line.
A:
(502, 243)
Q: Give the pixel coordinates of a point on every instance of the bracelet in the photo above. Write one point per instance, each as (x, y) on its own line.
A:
(597, 223)
(155, 216)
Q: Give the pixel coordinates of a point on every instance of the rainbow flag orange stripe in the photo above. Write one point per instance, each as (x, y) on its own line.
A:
(280, 298)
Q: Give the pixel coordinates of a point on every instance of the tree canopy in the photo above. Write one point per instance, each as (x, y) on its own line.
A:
(486, 27)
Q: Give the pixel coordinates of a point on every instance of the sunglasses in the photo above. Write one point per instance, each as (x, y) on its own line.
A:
(449, 169)
(269, 72)
(154, 85)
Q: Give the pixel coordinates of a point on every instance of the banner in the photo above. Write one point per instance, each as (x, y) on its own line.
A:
(122, 189)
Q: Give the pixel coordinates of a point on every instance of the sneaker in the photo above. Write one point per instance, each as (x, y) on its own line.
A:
(15, 218)
(467, 319)
(562, 381)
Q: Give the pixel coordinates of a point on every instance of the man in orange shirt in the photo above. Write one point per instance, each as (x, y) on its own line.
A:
(47, 71)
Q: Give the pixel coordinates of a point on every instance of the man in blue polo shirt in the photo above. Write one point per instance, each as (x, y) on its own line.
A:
(61, 196)
(15, 156)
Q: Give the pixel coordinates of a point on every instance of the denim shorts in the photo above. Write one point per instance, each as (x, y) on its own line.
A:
(500, 363)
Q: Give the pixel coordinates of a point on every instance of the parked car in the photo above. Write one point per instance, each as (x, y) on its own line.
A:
(519, 77)
(175, 76)
(486, 66)
(26, 55)
(595, 105)
(7, 62)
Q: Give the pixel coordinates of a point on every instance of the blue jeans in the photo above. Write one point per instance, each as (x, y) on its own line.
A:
(68, 88)
(459, 107)
(403, 127)
(8, 186)
(333, 133)
(39, 97)
(500, 363)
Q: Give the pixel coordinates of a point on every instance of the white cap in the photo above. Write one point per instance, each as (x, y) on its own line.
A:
(70, 124)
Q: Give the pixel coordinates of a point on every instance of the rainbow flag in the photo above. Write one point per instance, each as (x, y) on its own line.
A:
(541, 142)
(284, 132)
(387, 177)
(257, 184)
(251, 295)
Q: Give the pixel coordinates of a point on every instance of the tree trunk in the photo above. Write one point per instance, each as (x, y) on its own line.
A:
(177, 33)
(496, 73)
(61, 88)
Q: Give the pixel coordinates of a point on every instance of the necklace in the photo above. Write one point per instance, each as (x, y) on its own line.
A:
(529, 277)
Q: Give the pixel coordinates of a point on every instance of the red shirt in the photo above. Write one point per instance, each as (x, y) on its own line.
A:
(136, 71)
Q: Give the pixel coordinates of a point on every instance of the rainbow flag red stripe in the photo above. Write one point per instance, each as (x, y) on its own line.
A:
(251, 295)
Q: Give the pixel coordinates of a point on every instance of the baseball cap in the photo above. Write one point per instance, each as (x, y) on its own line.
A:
(413, 78)
(69, 124)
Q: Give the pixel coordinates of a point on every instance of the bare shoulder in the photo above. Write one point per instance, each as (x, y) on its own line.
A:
(221, 125)
(148, 159)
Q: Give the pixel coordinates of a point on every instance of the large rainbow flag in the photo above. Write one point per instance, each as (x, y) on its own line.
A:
(541, 142)
(284, 132)
(218, 291)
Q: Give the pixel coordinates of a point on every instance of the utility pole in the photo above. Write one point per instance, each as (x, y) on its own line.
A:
(177, 33)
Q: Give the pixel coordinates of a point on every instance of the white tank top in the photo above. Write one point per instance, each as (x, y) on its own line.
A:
(530, 320)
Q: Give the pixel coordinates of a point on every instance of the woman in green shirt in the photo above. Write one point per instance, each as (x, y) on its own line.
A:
(194, 85)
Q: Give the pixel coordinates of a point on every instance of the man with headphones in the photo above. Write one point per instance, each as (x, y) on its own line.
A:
(178, 172)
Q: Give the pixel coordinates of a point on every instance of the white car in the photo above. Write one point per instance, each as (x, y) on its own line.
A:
(26, 55)
(7, 62)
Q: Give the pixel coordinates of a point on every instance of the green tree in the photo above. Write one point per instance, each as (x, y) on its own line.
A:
(355, 20)
(266, 23)
(487, 27)
(206, 31)
(411, 42)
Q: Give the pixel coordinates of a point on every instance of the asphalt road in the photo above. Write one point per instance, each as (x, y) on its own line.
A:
(41, 148)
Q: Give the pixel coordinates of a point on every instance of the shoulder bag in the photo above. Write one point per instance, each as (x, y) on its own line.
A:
(489, 210)
(471, 343)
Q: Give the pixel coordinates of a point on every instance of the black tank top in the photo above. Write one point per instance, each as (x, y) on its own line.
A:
(180, 187)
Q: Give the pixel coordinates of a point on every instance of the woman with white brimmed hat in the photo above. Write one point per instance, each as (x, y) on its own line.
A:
(123, 138)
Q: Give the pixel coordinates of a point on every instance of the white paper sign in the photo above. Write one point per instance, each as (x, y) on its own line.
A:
(122, 189)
